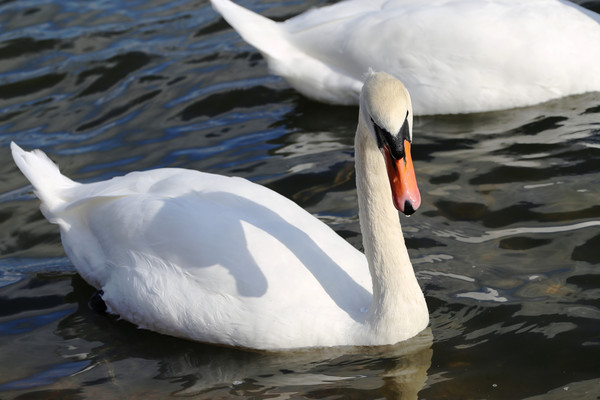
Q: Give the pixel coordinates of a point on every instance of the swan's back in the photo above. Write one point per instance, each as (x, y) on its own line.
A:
(209, 257)
(462, 55)
(243, 253)
(454, 56)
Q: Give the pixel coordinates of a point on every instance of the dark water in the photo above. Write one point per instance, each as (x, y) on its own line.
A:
(506, 244)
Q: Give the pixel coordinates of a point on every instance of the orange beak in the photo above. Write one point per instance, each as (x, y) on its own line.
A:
(405, 192)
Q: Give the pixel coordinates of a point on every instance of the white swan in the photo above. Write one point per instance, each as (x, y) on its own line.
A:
(454, 56)
(223, 260)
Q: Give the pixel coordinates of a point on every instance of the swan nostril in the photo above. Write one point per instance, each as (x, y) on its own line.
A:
(408, 208)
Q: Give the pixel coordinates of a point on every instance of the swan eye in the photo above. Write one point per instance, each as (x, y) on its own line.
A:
(395, 143)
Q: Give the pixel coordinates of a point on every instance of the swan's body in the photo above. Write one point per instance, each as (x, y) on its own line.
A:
(454, 56)
(223, 260)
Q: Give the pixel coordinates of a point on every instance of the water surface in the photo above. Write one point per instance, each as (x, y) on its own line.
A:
(505, 245)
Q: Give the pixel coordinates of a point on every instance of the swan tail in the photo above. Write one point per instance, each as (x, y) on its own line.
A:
(308, 75)
(44, 175)
(265, 35)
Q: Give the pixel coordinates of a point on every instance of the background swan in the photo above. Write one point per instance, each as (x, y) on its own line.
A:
(223, 260)
(454, 56)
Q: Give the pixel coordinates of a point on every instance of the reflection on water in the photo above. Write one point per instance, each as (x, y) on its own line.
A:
(505, 243)
(74, 347)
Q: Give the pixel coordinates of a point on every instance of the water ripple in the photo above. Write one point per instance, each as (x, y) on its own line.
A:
(501, 233)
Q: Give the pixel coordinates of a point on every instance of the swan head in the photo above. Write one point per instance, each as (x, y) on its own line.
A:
(387, 111)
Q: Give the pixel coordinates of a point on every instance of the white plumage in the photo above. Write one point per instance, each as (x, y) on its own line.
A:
(223, 260)
(454, 56)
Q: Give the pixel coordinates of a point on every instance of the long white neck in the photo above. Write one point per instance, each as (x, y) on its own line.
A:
(398, 310)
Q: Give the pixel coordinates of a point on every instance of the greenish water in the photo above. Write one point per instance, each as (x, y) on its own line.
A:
(505, 244)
